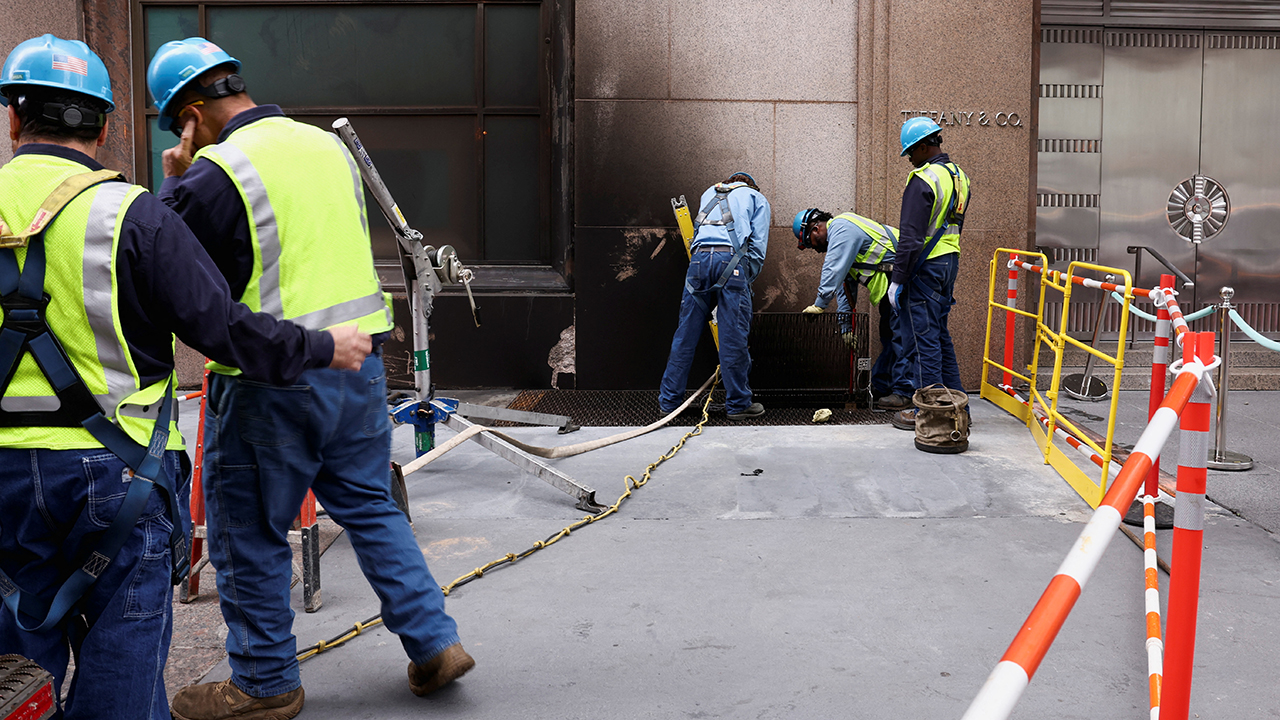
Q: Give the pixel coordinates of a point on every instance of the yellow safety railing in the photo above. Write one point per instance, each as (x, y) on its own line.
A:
(1056, 340)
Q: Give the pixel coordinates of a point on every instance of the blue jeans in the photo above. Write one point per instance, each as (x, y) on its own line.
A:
(882, 371)
(733, 319)
(265, 446)
(121, 628)
(928, 356)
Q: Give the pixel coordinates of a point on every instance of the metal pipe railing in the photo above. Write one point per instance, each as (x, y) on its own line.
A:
(1220, 458)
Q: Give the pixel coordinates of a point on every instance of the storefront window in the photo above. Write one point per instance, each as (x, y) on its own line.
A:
(449, 99)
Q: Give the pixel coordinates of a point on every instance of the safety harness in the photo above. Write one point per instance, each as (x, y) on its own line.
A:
(740, 246)
(26, 329)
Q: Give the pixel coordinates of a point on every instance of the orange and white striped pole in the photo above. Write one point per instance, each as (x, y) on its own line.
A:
(1005, 685)
(1011, 302)
(1188, 538)
(1067, 437)
(1159, 372)
(1155, 645)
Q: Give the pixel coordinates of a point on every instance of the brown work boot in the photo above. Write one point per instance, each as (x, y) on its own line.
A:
(904, 419)
(223, 700)
(452, 663)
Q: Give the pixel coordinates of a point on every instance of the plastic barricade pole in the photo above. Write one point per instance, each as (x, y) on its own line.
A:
(1188, 537)
(1159, 371)
(1155, 645)
(1011, 301)
(190, 589)
(1005, 685)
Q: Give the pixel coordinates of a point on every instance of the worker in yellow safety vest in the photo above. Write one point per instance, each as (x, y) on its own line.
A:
(96, 278)
(857, 251)
(280, 206)
(928, 258)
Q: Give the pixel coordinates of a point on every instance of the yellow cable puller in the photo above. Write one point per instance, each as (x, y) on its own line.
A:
(631, 485)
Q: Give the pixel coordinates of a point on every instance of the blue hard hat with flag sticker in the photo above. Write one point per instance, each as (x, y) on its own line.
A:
(800, 227)
(175, 65)
(50, 61)
(915, 130)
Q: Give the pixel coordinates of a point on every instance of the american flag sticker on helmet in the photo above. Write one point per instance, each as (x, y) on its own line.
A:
(71, 64)
(209, 48)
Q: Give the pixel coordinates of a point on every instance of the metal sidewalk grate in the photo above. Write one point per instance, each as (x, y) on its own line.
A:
(633, 408)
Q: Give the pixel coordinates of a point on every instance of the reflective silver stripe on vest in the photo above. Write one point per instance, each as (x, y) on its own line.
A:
(355, 179)
(264, 219)
(342, 312)
(939, 207)
(20, 403)
(99, 305)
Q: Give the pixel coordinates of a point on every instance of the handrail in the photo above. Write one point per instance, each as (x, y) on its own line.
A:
(1136, 251)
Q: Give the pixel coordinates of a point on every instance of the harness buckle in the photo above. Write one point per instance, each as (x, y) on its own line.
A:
(23, 314)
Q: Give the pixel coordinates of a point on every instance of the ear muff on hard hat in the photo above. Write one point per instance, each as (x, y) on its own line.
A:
(49, 61)
(176, 64)
(801, 226)
(915, 130)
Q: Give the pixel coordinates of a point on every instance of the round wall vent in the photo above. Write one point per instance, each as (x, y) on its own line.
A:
(1198, 208)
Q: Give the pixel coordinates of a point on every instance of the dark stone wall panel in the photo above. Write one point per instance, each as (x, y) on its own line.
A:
(510, 349)
(629, 286)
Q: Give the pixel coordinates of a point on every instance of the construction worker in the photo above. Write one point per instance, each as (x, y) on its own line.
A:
(928, 258)
(728, 248)
(859, 251)
(280, 207)
(96, 278)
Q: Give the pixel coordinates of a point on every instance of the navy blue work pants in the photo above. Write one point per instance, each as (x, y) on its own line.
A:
(924, 304)
(733, 319)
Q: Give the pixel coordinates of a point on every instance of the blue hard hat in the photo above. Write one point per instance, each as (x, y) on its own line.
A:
(915, 130)
(799, 224)
(50, 61)
(175, 65)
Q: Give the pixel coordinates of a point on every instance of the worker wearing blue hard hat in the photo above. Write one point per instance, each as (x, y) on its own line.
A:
(279, 204)
(928, 257)
(728, 248)
(96, 278)
(857, 251)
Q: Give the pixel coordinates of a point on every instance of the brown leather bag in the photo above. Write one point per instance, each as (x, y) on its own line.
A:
(942, 420)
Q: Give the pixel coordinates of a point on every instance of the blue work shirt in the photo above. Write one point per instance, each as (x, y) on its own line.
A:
(167, 286)
(917, 207)
(845, 242)
(751, 214)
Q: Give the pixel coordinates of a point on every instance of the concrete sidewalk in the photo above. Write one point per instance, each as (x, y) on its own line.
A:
(852, 577)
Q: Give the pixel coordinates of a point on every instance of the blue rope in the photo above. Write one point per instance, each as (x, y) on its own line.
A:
(1254, 334)
(1202, 312)
(1133, 308)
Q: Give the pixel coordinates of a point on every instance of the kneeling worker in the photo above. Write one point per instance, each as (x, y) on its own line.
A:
(858, 250)
(732, 234)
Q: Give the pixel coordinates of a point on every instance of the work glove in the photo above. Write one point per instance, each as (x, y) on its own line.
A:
(894, 289)
(850, 340)
(813, 310)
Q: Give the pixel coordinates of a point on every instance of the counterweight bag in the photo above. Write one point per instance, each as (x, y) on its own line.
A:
(942, 420)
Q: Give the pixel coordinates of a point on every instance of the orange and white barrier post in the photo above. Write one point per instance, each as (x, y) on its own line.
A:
(1011, 301)
(1155, 645)
(1159, 372)
(189, 590)
(1188, 537)
(1005, 685)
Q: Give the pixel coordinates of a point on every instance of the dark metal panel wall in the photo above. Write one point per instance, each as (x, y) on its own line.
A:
(510, 349)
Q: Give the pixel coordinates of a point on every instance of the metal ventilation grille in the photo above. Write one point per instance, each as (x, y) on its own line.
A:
(1070, 35)
(1067, 255)
(1243, 42)
(632, 408)
(1070, 91)
(1067, 200)
(1263, 317)
(1046, 145)
(1083, 8)
(1194, 9)
(1153, 39)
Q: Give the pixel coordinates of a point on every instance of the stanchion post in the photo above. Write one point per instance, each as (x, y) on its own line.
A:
(1219, 457)
(1188, 540)
(1011, 301)
(1159, 370)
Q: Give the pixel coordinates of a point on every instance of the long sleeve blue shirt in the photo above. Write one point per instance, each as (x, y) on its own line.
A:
(751, 213)
(917, 207)
(845, 242)
(167, 285)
